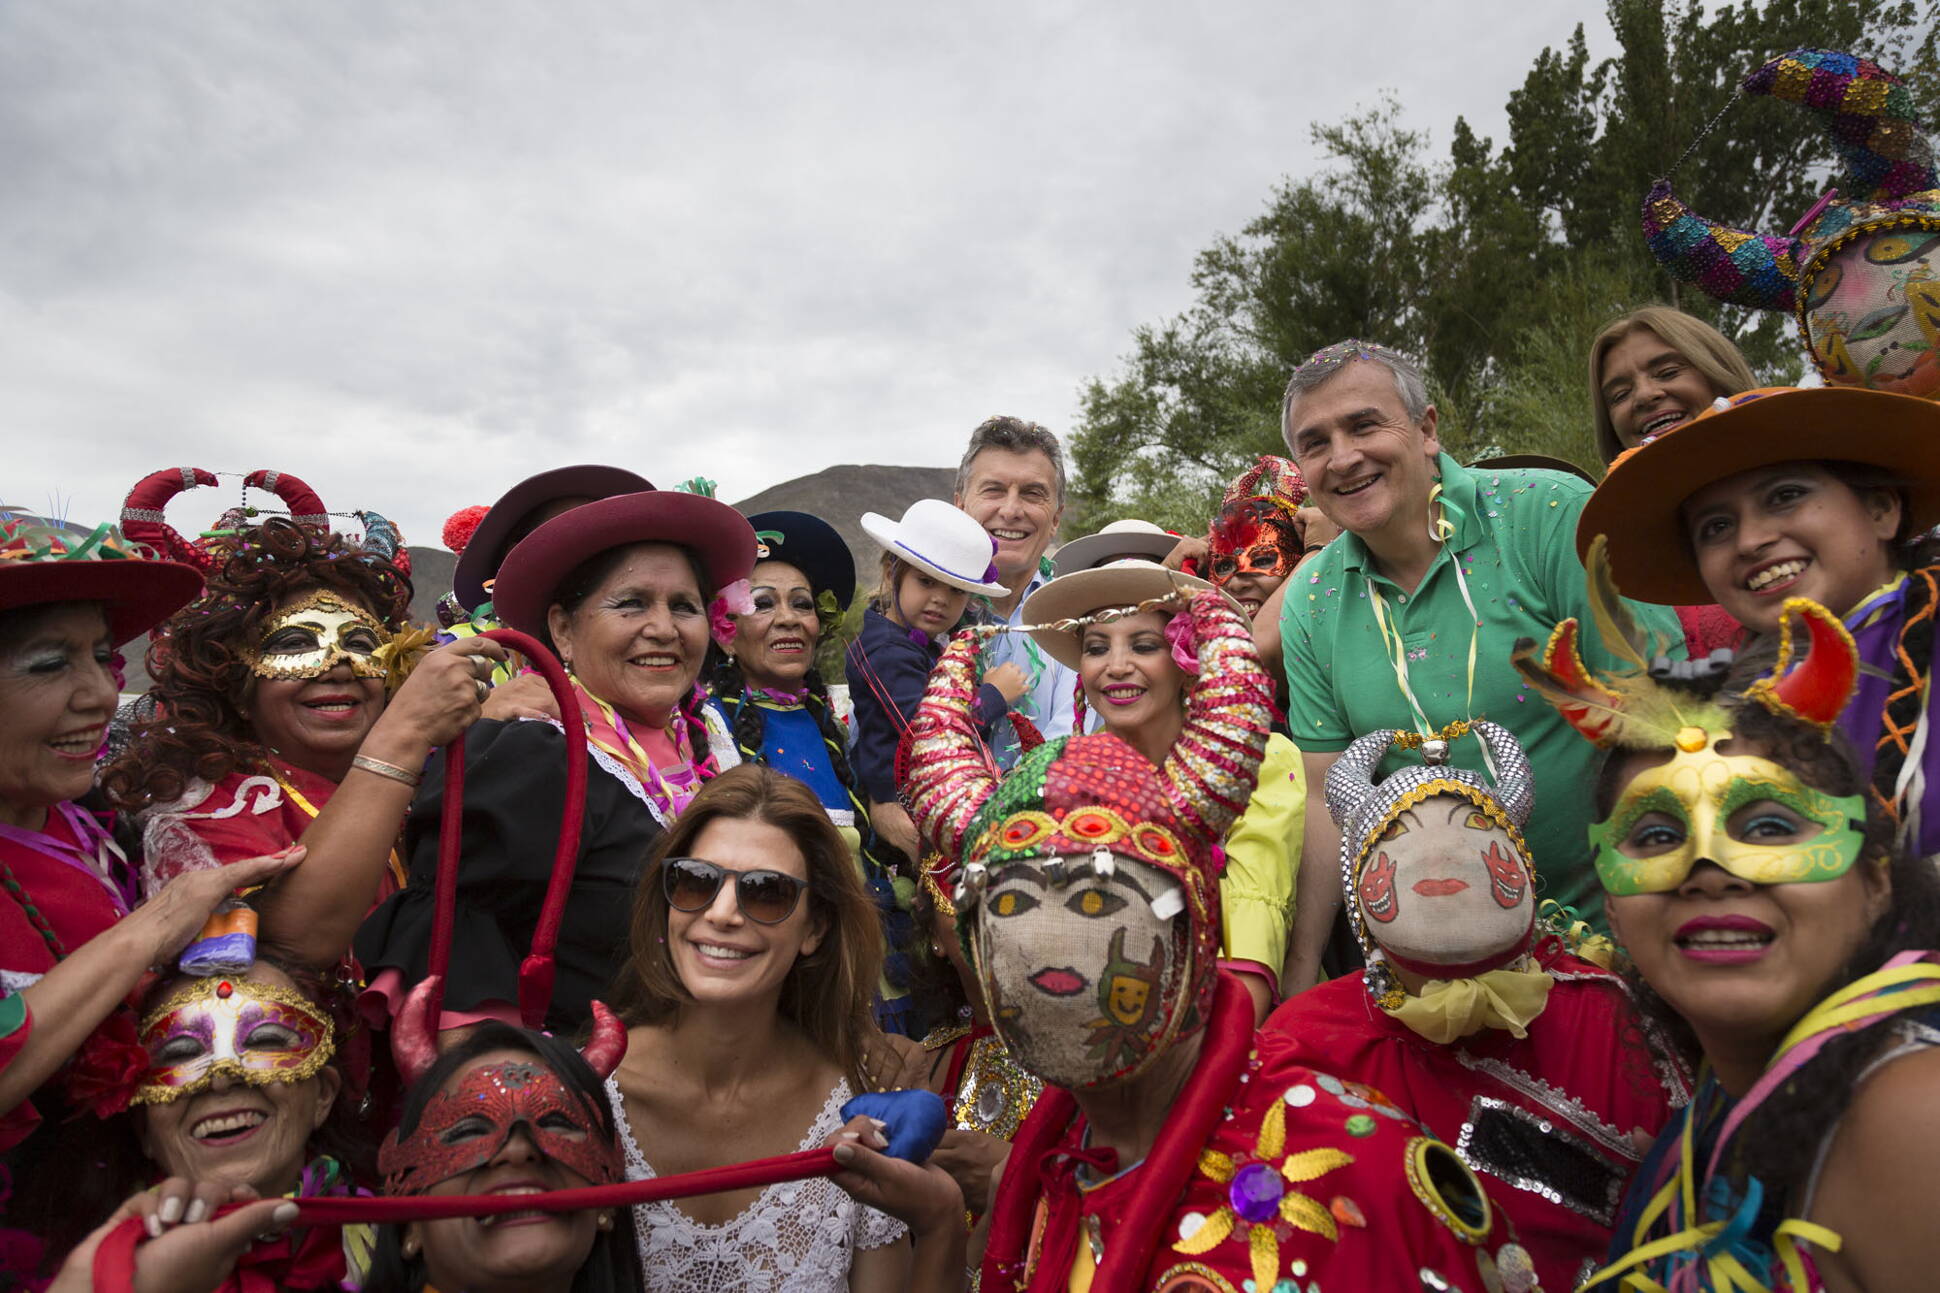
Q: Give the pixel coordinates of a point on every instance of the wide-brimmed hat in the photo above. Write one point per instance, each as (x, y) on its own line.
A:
(42, 563)
(1119, 540)
(812, 546)
(943, 542)
(1639, 504)
(715, 533)
(588, 480)
(1120, 583)
(1536, 461)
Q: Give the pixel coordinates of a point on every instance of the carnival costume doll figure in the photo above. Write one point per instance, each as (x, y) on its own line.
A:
(769, 693)
(1755, 891)
(1472, 1016)
(1173, 1148)
(1861, 271)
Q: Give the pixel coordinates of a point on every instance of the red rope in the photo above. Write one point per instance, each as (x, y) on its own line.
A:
(536, 971)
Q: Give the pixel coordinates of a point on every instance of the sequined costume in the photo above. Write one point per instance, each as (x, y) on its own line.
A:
(1088, 907)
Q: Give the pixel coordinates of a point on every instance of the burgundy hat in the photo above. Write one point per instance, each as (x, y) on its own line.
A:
(42, 564)
(478, 562)
(529, 577)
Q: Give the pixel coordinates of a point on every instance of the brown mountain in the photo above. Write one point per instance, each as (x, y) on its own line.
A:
(840, 495)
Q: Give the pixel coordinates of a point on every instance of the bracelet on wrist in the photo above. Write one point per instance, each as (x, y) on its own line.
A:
(390, 770)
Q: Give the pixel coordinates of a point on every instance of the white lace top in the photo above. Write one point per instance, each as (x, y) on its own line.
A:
(797, 1237)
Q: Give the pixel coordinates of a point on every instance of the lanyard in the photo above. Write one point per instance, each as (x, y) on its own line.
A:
(1396, 650)
(95, 854)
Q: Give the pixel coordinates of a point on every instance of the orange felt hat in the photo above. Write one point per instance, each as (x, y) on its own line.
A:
(1640, 503)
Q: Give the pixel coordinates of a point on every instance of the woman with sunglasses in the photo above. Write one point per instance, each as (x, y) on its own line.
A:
(755, 954)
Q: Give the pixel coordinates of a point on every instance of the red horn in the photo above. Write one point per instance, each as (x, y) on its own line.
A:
(305, 507)
(1818, 689)
(1564, 660)
(608, 1045)
(141, 514)
(414, 1033)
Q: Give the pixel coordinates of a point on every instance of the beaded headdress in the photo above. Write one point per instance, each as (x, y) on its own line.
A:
(1364, 808)
(1890, 187)
(1079, 803)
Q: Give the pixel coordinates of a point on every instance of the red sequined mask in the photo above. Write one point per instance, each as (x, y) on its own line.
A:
(1253, 536)
(464, 1129)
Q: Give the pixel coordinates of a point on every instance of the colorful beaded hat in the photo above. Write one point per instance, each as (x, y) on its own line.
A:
(1890, 189)
(41, 562)
(1077, 803)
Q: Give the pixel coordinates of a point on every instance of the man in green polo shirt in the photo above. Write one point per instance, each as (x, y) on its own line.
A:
(1407, 619)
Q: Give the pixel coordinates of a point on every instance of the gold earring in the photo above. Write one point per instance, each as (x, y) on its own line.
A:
(410, 1247)
(605, 1221)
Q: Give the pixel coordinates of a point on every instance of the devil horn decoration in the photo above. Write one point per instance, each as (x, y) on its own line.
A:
(949, 774)
(1865, 110)
(1818, 689)
(1738, 266)
(141, 514)
(382, 539)
(414, 1033)
(305, 507)
(1515, 783)
(1351, 778)
(1211, 771)
(1585, 704)
(607, 1046)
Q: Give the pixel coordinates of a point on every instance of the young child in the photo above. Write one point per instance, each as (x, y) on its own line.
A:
(932, 560)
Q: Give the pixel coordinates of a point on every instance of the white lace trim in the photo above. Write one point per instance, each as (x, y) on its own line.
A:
(796, 1237)
(15, 982)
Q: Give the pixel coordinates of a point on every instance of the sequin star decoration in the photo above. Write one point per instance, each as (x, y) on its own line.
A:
(1259, 1202)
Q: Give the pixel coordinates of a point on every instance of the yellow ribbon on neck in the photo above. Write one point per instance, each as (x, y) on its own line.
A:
(1447, 1009)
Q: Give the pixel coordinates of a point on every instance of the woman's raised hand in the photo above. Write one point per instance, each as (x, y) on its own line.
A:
(443, 696)
(166, 922)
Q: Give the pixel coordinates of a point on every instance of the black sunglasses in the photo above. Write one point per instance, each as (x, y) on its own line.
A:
(766, 897)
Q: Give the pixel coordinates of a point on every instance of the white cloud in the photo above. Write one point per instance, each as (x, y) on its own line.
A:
(413, 253)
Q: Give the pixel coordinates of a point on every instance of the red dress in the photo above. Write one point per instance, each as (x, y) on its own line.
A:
(1265, 1170)
(79, 883)
(1557, 1121)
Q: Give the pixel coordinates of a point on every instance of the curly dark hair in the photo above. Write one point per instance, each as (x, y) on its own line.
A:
(1780, 1139)
(196, 726)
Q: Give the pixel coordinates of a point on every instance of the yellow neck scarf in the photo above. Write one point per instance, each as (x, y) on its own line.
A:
(1447, 1009)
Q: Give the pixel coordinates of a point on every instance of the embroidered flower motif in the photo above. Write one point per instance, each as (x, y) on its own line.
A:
(733, 600)
(1259, 1203)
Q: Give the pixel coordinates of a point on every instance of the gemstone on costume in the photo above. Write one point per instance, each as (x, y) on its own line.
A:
(1255, 1192)
(1189, 1225)
(1360, 1125)
(1347, 1212)
(1299, 1095)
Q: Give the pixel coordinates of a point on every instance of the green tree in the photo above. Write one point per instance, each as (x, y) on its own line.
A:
(1496, 266)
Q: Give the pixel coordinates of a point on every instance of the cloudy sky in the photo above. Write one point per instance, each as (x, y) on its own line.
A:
(415, 252)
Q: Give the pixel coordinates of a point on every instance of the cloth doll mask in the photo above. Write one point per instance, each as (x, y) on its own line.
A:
(1433, 861)
(1087, 895)
(1860, 272)
(308, 638)
(464, 1128)
(246, 1030)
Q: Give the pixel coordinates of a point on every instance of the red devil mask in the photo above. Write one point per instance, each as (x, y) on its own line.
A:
(464, 1128)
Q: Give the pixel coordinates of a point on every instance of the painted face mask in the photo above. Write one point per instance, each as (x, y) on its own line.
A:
(1872, 312)
(1446, 884)
(310, 637)
(464, 1128)
(1082, 964)
(248, 1031)
(1681, 813)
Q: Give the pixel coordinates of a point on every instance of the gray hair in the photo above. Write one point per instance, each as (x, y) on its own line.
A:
(1325, 364)
(1013, 435)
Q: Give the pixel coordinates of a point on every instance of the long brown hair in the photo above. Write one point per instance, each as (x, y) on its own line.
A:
(1703, 347)
(828, 992)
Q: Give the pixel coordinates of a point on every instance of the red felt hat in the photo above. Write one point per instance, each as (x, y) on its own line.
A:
(42, 564)
(478, 562)
(718, 535)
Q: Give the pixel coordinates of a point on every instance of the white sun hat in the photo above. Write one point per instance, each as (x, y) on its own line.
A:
(1116, 542)
(942, 541)
(1114, 584)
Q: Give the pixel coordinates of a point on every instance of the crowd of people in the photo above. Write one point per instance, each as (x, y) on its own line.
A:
(1425, 874)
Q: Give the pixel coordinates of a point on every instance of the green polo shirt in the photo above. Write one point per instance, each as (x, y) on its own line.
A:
(1515, 537)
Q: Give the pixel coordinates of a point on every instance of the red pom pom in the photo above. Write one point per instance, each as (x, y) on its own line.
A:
(461, 525)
